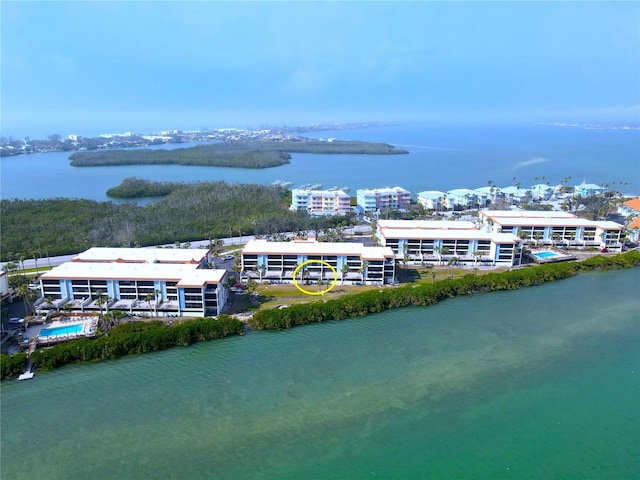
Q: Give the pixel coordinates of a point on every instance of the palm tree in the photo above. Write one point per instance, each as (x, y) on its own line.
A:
(444, 251)
(101, 299)
(35, 260)
(261, 269)
(438, 251)
(157, 297)
(343, 271)
(362, 270)
(148, 298)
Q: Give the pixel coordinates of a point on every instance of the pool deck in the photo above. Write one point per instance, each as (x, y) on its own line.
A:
(556, 257)
(89, 323)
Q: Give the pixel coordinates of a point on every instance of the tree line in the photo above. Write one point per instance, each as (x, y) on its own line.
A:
(207, 210)
(126, 339)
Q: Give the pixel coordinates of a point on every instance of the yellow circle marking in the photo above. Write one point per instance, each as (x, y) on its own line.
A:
(333, 284)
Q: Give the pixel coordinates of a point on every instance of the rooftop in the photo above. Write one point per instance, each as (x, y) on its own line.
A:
(261, 246)
(142, 255)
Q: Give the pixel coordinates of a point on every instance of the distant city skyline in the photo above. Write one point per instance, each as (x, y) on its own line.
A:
(98, 67)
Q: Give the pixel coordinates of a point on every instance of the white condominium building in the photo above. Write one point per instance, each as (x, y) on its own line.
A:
(140, 281)
(370, 200)
(554, 228)
(437, 242)
(353, 262)
(320, 202)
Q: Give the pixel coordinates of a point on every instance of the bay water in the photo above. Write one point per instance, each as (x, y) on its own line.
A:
(440, 158)
(538, 383)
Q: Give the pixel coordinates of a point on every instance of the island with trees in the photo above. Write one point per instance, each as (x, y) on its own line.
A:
(244, 154)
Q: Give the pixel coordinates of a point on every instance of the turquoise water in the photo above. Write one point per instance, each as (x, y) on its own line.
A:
(547, 254)
(48, 332)
(539, 383)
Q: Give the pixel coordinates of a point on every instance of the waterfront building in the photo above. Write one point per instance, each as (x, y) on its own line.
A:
(354, 262)
(516, 195)
(320, 202)
(438, 242)
(140, 281)
(585, 189)
(631, 210)
(541, 192)
(553, 228)
(461, 199)
(375, 199)
(432, 199)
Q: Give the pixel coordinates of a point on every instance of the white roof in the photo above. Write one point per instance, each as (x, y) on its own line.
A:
(513, 190)
(383, 191)
(406, 233)
(460, 192)
(427, 224)
(559, 222)
(324, 193)
(433, 194)
(133, 271)
(590, 186)
(487, 190)
(260, 246)
(495, 214)
(142, 255)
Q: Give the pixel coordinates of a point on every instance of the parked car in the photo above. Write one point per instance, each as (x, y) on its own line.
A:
(227, 257)
(15, 321)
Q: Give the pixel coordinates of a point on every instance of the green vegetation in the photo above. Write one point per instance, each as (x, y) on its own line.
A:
(256, 154)
(374, 301)
(190, 212)
(127, 339)
(12, 365)
(140, 188)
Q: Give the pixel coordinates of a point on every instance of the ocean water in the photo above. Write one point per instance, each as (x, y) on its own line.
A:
(538, 383)
(439, 159)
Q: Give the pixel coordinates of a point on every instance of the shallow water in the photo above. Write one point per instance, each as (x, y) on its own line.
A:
(536, 383)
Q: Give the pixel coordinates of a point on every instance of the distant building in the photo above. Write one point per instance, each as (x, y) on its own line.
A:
(516, 195)
(586, 189)
(461, 199)
(374, 199)
(631, 210)
(140, 281)
(75, 138)
(353, 262)
(432, 199)
(320, 202)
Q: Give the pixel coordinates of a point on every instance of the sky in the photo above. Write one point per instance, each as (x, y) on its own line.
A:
(104, 67)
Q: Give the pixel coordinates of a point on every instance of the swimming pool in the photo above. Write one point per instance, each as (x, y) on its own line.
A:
(547, 254)
(66, 330)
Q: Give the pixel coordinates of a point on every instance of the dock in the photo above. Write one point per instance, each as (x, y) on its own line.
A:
(28, 374)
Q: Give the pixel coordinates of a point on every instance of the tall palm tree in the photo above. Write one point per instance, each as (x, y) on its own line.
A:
(157, 295)
(261, 269)
(148, 298)
(100, 299)
(343, 271)
(363, 269)
(35, 260)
